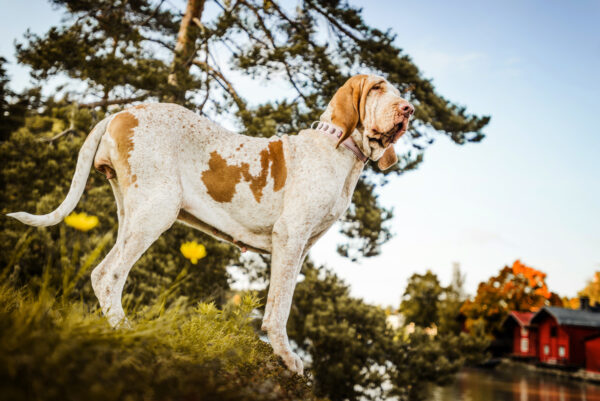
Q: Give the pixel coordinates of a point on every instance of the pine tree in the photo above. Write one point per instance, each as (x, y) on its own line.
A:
(420, 301)
(128, 51)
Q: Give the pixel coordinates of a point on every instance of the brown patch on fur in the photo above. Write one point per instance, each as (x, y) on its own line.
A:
(193, 221)
(221, 178)
(349, 103)
(121, 130)
(141, 106)
(257, 183)
(388, 159)
(278, 167)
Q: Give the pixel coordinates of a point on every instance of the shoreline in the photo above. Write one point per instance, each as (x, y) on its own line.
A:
(549, 370)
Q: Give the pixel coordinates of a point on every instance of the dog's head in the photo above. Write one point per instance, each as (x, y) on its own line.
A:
(373, 107)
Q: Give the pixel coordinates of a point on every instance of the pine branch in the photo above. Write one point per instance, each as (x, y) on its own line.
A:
(240, 25)
(297, 26)
(221, 80)
(55, 137)
(154, 13)
(275, 47)
(160, 42)
(335, 23)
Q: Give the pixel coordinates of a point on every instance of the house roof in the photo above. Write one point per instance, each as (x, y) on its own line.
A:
(569, 317)
(522, 318)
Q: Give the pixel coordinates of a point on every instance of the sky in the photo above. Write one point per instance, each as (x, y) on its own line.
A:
(530, 190)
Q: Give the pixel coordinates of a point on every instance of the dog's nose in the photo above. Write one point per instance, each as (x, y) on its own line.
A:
(408, 109)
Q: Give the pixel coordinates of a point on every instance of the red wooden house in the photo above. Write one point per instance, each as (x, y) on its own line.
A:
(523, 334)
(592, 354)
(562, 333)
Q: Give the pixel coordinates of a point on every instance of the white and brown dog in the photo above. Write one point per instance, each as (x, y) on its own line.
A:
(275, 195)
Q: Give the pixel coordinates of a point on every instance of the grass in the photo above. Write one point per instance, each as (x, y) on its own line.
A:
(52, 348)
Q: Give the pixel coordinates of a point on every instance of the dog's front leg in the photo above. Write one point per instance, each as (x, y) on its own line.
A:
(288, 247)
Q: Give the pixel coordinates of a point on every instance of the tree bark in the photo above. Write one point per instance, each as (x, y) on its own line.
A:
(185, 49)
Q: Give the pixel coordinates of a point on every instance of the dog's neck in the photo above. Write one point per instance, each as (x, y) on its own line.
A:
(356, 135)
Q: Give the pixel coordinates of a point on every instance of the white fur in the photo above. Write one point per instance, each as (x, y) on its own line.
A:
(171, 150)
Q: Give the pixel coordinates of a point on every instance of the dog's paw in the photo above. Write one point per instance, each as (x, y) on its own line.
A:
(293, 362)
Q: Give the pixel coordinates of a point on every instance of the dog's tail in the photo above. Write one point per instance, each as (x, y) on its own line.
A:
(82, 171)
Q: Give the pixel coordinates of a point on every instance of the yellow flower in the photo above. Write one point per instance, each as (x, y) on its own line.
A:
(193, 251)
(81, 221)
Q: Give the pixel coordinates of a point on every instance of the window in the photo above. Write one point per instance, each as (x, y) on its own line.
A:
(553, 331)
(546, 349)
(524, 345)
(562, 351)
(524, 332)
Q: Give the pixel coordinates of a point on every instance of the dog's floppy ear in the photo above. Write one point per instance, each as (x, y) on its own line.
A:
(349, 103)
(388, 159)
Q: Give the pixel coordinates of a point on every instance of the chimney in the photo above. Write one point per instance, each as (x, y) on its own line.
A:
(584, 303)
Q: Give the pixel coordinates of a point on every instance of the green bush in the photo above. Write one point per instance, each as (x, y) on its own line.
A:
(57, 349)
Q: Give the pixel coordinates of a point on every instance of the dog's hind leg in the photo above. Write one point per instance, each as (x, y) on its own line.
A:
(144, 220)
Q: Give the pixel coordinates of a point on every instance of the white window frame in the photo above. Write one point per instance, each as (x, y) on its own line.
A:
(524, 345)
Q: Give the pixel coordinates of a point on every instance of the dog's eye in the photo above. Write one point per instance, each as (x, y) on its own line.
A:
(377, 87)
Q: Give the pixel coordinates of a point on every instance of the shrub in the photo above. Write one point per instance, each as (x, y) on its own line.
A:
(57, 349)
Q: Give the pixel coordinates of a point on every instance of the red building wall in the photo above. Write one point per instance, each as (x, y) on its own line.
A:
(553, 342)
(592, 355)
(530, 337)
(577, 336)
(564, 345)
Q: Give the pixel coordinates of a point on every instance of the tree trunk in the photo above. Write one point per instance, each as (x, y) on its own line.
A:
(185, 49)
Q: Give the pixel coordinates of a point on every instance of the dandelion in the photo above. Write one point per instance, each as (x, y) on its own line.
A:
(81, 221)
(193, 251)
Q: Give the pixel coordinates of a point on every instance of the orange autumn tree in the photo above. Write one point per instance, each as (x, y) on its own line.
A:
(591, 291)
(515, 288)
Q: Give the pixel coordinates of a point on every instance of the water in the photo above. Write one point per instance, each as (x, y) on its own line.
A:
(513, 384)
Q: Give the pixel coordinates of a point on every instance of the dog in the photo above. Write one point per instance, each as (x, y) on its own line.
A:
(271, 195)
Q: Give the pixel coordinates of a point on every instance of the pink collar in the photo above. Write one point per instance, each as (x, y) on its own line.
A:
(335, 131)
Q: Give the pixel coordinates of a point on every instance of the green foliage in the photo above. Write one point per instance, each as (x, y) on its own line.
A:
(343, 335)
(12, 110)
(354, 352)
(366, 238)
(421, 299)
(452, 300)
(54, 350)
(426, 303)
(421, 358)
